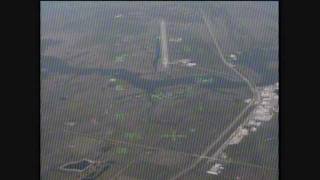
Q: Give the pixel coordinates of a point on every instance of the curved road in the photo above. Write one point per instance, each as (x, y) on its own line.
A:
(227, 131)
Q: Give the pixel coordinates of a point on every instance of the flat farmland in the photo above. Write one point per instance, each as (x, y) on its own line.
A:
(103, 99)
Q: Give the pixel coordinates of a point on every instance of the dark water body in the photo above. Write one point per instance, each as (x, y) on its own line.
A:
(78, 165)
(56, 66)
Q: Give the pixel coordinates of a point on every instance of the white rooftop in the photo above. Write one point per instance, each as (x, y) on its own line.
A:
(191, 64)
(118, 16)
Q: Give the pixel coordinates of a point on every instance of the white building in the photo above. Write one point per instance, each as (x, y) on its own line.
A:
(233, 57)
(248, 100)
(118, 16)
(191, 64)
(216, 169)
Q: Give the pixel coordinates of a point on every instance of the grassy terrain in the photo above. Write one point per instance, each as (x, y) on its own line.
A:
(102, 98)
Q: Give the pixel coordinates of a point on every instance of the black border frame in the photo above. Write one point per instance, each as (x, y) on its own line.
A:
(27, 95)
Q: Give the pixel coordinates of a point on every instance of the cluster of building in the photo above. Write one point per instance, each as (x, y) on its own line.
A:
(230, 60)
(215, 169)
(187, 62)
(267, 104)
(233, 57)
(238, 136)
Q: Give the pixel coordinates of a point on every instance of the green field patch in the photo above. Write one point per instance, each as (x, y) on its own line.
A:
(173, 135)
(158, 96)
(75, 105)
(120, 87)
(118, 84)
(132, 136)
(121, 58)
(203, 80)
(184, 93)
(120, 116)
(187, 49)
(200, 108)
(121, 150)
